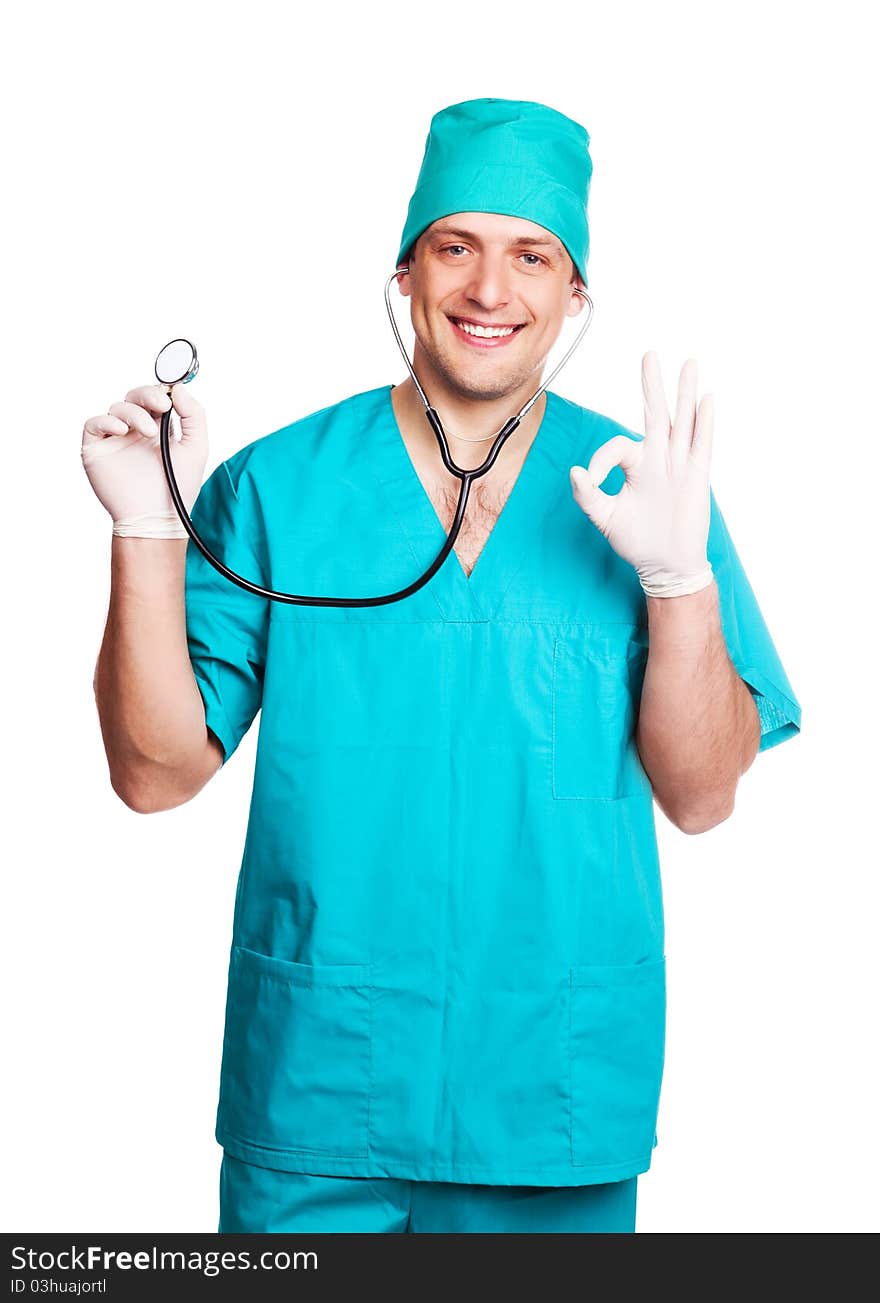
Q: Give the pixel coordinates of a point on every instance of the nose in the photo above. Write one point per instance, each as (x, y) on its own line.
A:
(489, 283)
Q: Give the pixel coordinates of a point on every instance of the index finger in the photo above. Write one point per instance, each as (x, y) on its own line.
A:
(656, 412)
(152, 397)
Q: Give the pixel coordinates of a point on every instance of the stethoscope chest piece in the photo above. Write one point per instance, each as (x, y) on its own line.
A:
(177, 363)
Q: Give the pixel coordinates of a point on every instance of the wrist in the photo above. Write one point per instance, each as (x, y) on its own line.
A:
(686, 625)
(146, 569)
(155, 525)
(663, 583)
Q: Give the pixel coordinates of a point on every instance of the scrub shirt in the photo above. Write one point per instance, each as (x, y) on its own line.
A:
(447, 956)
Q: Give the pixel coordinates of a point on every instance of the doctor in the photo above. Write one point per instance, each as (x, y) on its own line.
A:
(446, 994)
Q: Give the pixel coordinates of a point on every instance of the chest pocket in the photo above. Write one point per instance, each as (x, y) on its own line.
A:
(597, 686)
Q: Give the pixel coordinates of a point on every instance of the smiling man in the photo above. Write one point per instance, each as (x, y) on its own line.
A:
(446, 994)
(490, 295)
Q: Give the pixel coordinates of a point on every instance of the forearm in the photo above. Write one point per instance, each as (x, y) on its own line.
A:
(150, 709)
(698, 727)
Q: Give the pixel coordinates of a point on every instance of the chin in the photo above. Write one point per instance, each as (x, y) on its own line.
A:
(478, 384)
(486, 392)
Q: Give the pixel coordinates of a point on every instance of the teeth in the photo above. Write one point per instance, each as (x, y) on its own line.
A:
(487, 332)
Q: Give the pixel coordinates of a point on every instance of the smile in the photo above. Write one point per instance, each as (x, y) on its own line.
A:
(480, 336)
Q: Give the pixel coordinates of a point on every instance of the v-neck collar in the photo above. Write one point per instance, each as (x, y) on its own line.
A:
(542, 478)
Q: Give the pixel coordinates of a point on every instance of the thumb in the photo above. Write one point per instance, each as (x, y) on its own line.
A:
(586, 493)
(190, 411)
(597, 505)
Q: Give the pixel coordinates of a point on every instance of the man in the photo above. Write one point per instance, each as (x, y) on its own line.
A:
(446, 991)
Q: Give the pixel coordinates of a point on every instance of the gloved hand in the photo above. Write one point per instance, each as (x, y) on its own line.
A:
(123, 461)
(659, 521)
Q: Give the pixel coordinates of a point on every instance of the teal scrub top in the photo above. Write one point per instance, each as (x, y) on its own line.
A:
(447, 958)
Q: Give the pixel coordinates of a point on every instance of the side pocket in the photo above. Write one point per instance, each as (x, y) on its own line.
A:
(597, 686)
(297, 1050)
(618, 1028)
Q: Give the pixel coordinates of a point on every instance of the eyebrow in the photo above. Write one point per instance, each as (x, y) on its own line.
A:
(520, 240)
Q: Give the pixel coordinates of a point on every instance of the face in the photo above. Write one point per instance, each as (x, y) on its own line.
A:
(474, 274)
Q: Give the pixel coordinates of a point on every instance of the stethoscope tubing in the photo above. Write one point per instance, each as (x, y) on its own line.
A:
(297, 598)
(466, 476)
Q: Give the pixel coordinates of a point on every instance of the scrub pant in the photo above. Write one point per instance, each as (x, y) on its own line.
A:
(258, 1199)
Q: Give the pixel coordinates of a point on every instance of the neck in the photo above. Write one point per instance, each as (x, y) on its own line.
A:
(460, 414)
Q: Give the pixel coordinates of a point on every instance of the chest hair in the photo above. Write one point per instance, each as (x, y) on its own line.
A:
(484, 506)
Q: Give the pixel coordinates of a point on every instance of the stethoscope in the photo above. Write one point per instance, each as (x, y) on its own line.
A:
(178, 363)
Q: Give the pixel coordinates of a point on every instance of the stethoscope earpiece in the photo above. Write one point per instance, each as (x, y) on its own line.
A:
(508, 428)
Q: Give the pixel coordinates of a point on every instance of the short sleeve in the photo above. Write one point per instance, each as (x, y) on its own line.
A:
(226, 626)
(749, 644)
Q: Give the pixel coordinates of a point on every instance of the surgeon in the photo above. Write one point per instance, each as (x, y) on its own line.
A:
(446, 987)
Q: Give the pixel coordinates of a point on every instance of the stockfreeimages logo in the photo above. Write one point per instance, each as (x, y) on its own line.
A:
(95, 1258)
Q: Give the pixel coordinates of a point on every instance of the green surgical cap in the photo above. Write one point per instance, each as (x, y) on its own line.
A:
(505, 156)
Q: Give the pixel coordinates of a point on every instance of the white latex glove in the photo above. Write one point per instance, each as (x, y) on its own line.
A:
(123, 461)
(659, 521)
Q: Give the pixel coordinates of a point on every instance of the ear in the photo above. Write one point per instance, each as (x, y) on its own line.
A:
(403, 284)
(576, 301)
(404, 279)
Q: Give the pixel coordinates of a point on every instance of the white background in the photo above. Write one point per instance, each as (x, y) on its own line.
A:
(240, 176)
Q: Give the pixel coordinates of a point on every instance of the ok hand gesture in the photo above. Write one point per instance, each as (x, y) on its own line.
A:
(659, 521)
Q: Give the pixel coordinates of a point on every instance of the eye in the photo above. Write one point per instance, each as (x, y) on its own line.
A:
(536, 263)
(450, 247)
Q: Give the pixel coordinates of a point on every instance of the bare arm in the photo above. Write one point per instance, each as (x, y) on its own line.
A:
(159, 749)
(698, 729)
